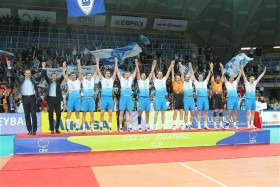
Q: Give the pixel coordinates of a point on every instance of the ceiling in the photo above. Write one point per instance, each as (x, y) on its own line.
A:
(225, 25)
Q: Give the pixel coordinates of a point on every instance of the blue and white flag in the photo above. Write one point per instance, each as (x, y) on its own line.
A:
(234, 65)
(185, 68)
(107, 55)
(77, 8)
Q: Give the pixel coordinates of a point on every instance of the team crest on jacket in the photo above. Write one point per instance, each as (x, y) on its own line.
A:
(86, 5)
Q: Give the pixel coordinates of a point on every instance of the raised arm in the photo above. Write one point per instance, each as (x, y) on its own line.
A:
(137, 69)
(261, 75)
(191, 71)
(97, 60)
(64, 72)
(43, 72)
(172, 74)
(210, 72)
(11, 70)
(244, 77)
(222, 71)
(116, 71)
(169, 69)
(211, 65)
(181, 71)
(80, 71)
(153, 70)
(239, 75)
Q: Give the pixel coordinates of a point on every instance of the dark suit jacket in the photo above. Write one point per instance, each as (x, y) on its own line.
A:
(58, 83)
(20, 80)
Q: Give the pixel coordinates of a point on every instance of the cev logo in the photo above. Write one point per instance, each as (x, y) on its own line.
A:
(253, 136)
(43, 143)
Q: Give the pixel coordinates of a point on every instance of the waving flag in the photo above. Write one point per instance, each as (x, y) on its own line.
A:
(234, 65)
(185, 68)
(77, 8)
(6, 54)
(107, 55)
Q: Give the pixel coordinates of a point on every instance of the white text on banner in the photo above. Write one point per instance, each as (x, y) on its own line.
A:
(170, 24)
(128, 22)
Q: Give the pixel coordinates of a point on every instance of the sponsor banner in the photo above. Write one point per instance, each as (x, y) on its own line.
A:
(170, 24)
(69, 69)
(4, 12)
(14, 123)
(259, 136)
(30, 15)
(271, 118)
(241, 119)
(128, 22)
(96, 21)
(45, 121)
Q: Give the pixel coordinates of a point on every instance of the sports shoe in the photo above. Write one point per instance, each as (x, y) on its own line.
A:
(148, 128)
(252, 127)
(206, 127)
(77, 130)
(155, 127)
(101, 129)
(187, 128)
(163, 127)
(215, 127)
(224, 128)
(139, 128)
(199, 127)
(120, 129)
(236, 127)
(67, 131)
(130, 129)
(173, 127)
(190, 127)
(84, 130)
(92, 129)
(110, 129)
(182, 127)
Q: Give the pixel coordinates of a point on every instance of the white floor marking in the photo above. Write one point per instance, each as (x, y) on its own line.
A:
(190, 168)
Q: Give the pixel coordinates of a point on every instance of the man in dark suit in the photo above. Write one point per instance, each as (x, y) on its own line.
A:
(29, 92)
(54, 98)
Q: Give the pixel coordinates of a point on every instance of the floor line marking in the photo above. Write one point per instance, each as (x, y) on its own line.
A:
(206, 176)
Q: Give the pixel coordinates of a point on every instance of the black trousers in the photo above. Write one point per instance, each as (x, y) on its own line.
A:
(54, 105)
(29, 107)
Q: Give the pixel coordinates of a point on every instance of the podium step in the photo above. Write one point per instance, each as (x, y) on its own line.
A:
(44, 143)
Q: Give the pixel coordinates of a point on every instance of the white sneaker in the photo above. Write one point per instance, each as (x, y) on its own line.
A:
(148, 128)
(187, 128)
(92, 129)
(77, 129)
(173, 127)
(67, 131)
(84, 130)
(101, 129)
(190, 127)
(163, 127)
(155, 127)
(110, 130)
(226, 127)
(253, 126)
(215, 127)
(206, 127)
(199, 127)
(120, 129)
(236, 127)
(130, 129)
(182, 127)
(139, 128)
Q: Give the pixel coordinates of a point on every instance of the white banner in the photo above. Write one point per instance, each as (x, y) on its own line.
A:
(170, 24)
(30, 15)
(128, 22)
(97, 21)
(4, 12)
(69, 69)
(270, 118)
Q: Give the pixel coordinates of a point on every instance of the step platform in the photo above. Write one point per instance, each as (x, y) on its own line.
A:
(44, 143)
